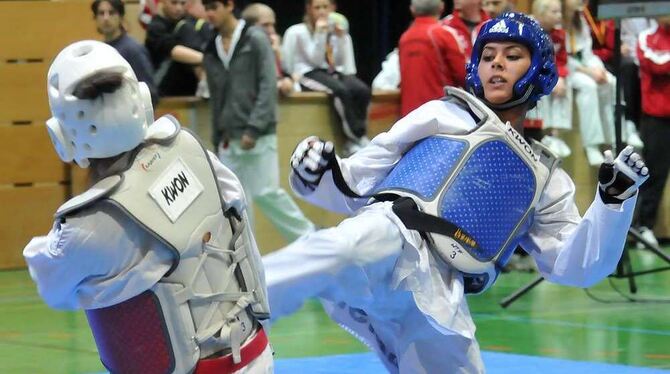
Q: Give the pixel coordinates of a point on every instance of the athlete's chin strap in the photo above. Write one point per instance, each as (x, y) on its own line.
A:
(510, 104)
(406, 209)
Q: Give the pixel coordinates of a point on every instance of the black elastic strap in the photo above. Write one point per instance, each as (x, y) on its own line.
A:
(340, 183)
(407, 210)
(414, 219)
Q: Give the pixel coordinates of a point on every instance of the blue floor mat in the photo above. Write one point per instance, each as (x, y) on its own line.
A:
(496, 363)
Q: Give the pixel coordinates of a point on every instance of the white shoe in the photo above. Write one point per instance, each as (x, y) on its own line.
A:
(633, 137)
(594, 156)
(557, 146)
(648, 235)
(203, 89)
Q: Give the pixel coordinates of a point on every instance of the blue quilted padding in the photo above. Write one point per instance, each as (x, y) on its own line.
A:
(420, 171)
(490, 196)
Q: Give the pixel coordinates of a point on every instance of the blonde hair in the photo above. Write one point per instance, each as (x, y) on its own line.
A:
(541, 6)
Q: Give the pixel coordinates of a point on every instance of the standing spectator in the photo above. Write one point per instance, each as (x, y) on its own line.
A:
(555, 110)
(430, 57)
(494, 8)
(593, 84)
(197, 17)
(653, 51)
(203, 32)
(467, 18)
(320, 53)
(108, 16)
(240, 69)
(174, 48)
(264, 17)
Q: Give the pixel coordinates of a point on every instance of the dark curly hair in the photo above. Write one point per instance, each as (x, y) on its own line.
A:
(94, 86)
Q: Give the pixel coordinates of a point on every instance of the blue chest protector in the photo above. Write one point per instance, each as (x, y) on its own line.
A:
(486, 183)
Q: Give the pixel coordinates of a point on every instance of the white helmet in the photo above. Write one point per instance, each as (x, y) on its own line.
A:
(106, 126)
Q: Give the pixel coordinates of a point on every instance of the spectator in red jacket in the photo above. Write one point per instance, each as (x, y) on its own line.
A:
(430, 57)
(653, 51)
(467, 18)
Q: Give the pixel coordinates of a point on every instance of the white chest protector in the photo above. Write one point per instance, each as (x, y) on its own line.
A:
(485, 184)
(211, 299)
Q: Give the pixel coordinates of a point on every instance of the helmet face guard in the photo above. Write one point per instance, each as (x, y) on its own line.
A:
(103, 127)
(541, 76)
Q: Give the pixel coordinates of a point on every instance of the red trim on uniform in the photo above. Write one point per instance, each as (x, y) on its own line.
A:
(222, 365)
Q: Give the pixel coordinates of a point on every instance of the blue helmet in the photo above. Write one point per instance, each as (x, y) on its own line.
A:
(541, 76)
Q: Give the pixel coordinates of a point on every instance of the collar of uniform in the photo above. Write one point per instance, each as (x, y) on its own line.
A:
(425, 20)
(224, 56)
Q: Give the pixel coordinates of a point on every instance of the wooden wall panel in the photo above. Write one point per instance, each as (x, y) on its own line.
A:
(26, 212)
(40, 29)
(23, 95)
(29, 157)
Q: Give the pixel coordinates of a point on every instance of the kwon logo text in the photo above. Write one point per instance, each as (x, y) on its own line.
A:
(176, 189)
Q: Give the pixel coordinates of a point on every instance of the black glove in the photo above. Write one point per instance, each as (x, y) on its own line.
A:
(311, 159)
(619, 179)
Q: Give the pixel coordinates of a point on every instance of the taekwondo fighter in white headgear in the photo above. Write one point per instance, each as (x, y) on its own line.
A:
(158, 251)
(444, 198)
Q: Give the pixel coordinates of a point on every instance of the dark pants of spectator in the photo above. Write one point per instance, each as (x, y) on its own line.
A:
(655, 133)
(630, 83)
(351, 98)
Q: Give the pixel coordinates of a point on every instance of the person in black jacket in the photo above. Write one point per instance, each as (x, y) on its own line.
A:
(174, 46)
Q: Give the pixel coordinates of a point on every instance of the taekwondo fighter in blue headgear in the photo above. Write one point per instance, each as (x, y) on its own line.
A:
(438, 204)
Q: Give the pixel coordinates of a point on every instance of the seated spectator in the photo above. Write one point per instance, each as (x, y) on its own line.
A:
(174, 48)
(320, 53)
(653, 51)
(602, 34)
(594, 86)
(430, 57)
(467, 18)
(197, 17)
(555, 110)
(108, 16)
(264, 17)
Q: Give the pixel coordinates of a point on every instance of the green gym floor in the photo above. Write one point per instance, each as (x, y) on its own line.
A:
(549, 322)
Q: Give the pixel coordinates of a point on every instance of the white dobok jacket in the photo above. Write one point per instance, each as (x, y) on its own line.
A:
(568, 249)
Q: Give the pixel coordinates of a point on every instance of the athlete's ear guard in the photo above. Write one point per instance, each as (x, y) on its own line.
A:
(60, 142)
(145, 95)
